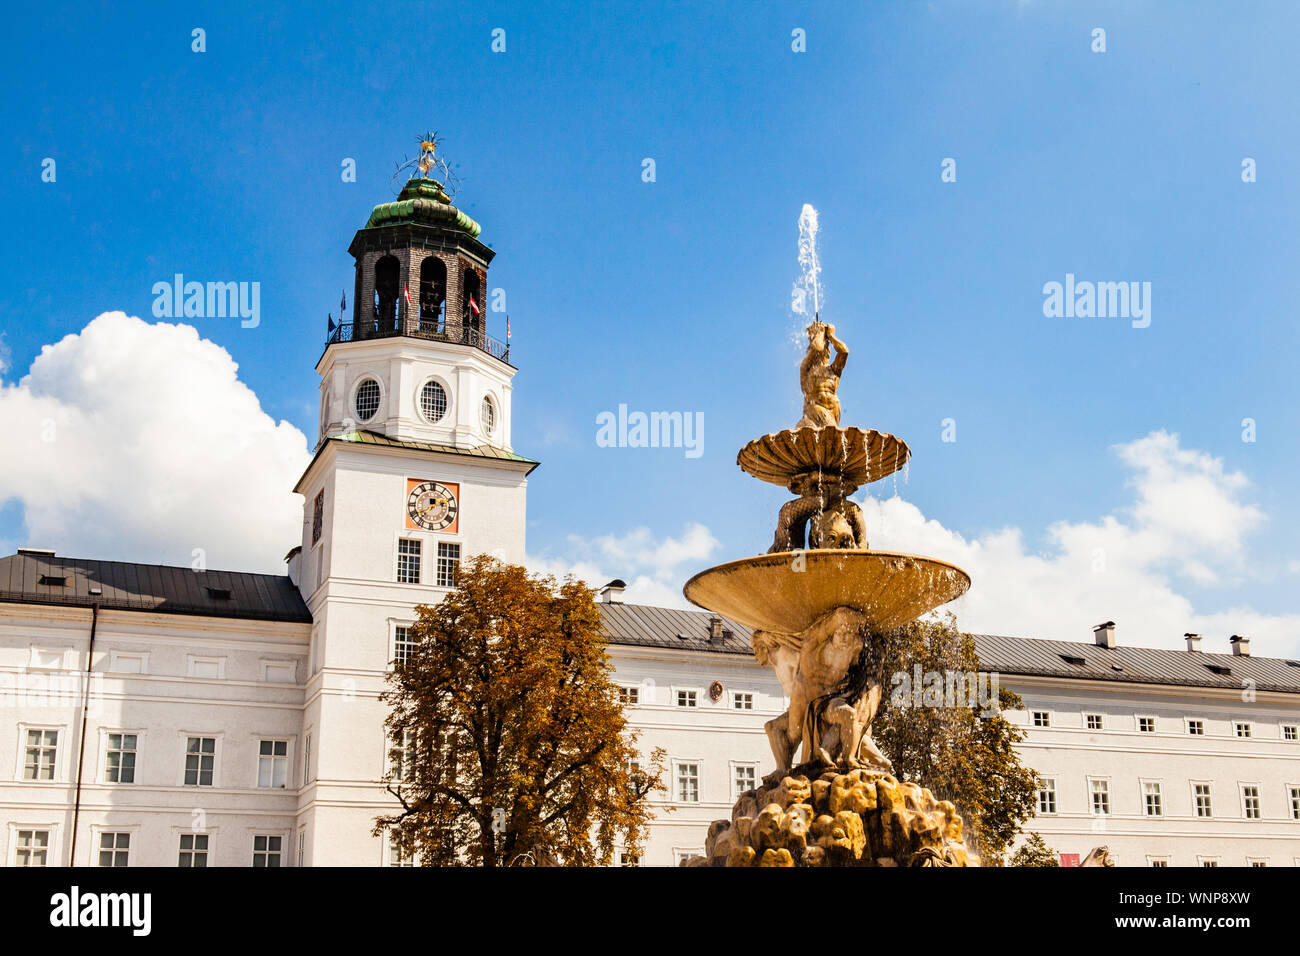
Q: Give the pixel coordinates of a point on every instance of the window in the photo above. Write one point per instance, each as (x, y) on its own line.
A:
(1290, 732)
(1201, 793)
(1146, 725)
(1209, 861)
(120, 662)
(200, 761)
(194, 849)
(745, 779)
(1293, 797)
(433, 402)
(114, 849)
(688, 782)
(686, 698)
(1042, 718)
(628, 858)
(397, 754)
(408, 561)
(1100, 797)
(367, 400)
(207, 668)
(1259, 863)
(1159, 861)
(403, 644)
(489, 415)
(42, 749)
(273, 764)
(32, 848)
(1151, 799)
(397, 858)
(302, 846)
(448, 564)
(318, 517)
(742, 701)
(629, 696)
(1196, 728)
(266, 850)
(1250, 802)
(1093, 721)
(1047, 795)
(1241, 729)
(119, 759)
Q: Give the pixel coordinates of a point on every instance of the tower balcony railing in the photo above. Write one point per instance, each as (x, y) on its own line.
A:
(430, 329)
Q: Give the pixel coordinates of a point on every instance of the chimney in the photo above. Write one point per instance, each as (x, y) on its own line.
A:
(294, 561)
(1104, 634)
(1240, 645)
(715, 629)
(612, 593)
(1193, 643)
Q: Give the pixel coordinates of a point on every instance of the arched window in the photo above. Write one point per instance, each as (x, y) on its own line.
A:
(472, 308)
(433, 294)
(388, 275)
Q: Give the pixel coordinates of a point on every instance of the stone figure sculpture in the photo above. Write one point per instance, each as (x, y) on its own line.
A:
(819, 377)
(831, 673)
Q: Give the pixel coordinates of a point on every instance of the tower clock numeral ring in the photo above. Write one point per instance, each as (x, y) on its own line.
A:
(431, 506)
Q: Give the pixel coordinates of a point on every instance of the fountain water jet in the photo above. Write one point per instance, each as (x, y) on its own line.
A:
(819, 602)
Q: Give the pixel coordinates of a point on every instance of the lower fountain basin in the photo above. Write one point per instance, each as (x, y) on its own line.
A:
(787, 591)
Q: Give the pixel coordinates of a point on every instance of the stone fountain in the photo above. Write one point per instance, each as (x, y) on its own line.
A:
(819, 602)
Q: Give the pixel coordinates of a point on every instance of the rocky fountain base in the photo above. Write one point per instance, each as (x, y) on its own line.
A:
(817, 816)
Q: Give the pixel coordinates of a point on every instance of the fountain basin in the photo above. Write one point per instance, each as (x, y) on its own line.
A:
(768, 593)
(854, 455)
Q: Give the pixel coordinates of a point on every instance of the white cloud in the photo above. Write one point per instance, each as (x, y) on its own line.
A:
(138, 442)
(6, 356)
(653, 568)
(1187, 524)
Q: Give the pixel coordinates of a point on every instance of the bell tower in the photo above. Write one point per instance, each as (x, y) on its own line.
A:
(413, 473)
(415, 361)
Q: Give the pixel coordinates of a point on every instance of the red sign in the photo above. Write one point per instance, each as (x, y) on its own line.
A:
(1069, 859)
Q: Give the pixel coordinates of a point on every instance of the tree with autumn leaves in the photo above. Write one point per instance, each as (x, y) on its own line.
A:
(509, 744)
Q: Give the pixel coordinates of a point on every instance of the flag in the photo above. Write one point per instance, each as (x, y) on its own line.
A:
(474, 305)
(507, 328)
(332, 325)
(343, 305)
(408, 295)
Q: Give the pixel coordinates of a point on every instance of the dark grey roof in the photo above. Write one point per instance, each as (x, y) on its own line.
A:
(660, 626)
(149, 587)
(1137, 665)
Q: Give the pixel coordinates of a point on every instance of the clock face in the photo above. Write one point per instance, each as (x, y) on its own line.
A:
(432, 506)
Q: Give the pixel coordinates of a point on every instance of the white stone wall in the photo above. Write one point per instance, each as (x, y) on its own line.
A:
(1127, 758)
(160, 705)
(715, 736)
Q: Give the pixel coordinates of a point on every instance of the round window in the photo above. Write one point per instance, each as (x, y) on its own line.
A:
(367, 400)
(433, 402)
(489, 415)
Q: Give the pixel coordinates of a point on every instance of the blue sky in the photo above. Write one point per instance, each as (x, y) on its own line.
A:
(675, 295)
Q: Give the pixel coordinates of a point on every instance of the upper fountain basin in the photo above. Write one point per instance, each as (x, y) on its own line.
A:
(854, 456)
(787, 592)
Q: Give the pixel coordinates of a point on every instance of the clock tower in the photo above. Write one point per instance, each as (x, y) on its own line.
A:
(414, 470)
